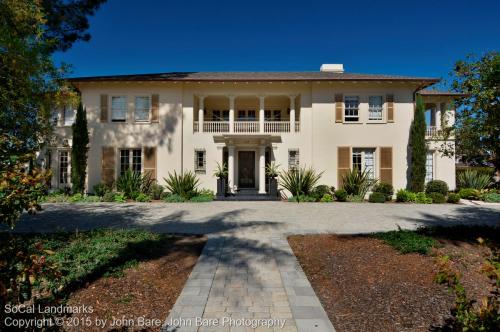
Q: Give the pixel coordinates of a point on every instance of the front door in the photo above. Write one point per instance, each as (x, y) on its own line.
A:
(246, 169)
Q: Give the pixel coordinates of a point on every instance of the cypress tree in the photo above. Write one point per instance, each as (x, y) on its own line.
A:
(418, 148)
(79, 150)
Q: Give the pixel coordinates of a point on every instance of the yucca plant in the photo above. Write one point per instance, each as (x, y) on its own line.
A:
(473, 179)
(184, 185)
(221, 171)
(357, 182)
(272, 169)
(129, 183)
(299, 182)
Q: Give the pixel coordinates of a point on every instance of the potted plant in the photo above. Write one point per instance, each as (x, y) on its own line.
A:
(221, 174)
(272, 171)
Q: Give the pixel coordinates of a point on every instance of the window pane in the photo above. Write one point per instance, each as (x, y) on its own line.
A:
(356, 159)
(429, 167)
(375, 108)
(370, 162)
(136, 160)
(277, 115)
(69, 115)
(142, 108)
(63, 167)
(119, 108)
(225, 115)
(293, 159)
(124, 161)
(199, 161)
(351, 108)
(251, 115)
(216, 116)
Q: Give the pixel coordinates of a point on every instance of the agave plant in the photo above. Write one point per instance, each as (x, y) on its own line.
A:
(357, 183)
(272, 169)
(299, 181)
(185, 185)
(473, 179)
(133, 183)
(221, 171)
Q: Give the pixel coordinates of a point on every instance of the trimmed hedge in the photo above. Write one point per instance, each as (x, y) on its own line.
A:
(453, 198)
(384, 188)
(377, 197)
(341, 195)
(436, 186)
(437, 198)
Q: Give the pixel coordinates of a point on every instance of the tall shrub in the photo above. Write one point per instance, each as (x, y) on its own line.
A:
(79, 150)
(418, 148)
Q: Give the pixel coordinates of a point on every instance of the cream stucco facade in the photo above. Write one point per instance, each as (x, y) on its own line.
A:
(250, 122)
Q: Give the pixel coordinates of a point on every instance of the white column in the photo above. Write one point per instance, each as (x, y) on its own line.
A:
(292, 114)
(438, 115)
(230, 168)
(201, 114)
(262, 169)
(231, 114)
(261, 114)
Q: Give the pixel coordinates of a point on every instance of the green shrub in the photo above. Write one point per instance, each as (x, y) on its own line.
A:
(202, 198)
(377, 197)
(403, 196)
(473, 179)
(174, 198)
(385, 188)
(132, 183)
(156, 191)
(101, 189)
(436, 186)
(299, 181)
(142, 198)
(55, 197)
(91, 199)
(108, 197)
(302, 198)
(422, 198)
(355, 199)
(407, 241)
(412, 196)
(76, 198)
(357, 183)
(341, 195)
(437, 198)
(321, 191)
(119, 198)
(183, 185)
(470, 193)
(206, 192)
(453, 198)
(491, 197)
(326, 198)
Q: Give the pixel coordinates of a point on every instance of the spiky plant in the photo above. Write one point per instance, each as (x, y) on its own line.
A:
(299, 181)
(129, 183)
(357, 182)
(473, 179)
(272, 169)
(221, 171)
(184, 185)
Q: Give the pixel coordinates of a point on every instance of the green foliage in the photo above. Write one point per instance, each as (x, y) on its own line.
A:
(272, 169)
(119, 198)
(101, 189)
(341, 195)
(79, 150)
(376, 197)
(406, 241)
(436, 186)
(206, 192)
(319, 191)
(473, 179)
(385, 188)
(470, 193)
(141, 197)
(302, 198)
(357, 183)
(184, 185)
(355, 199)
(202, 198)
(133, 183)
(299, 182)
(221, 171)
(113, 197)
(174, 198)
(403, 196)
(156, 191)
(453, 198)
(418, 148)
(422, 198)
(76, 198)
(491, 197)
(326, 198)
(437, 198)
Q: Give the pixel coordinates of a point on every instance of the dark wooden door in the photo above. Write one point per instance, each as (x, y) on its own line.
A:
(246, 169)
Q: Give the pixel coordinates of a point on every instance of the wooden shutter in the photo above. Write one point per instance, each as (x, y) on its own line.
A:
(108, 165)
(150, 161)
(389, 99)
(386, 165)
(339, 107)
(155, 107)
(104, 108)
(343, 163)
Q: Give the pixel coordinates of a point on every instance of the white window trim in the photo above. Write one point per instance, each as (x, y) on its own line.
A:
(363, 158)
(197, 169)
(111, 108)
(149, 111)
(383, 112)
(59, 184)
(297, 159)
(433, 154)
(130, 159)
(345, 109)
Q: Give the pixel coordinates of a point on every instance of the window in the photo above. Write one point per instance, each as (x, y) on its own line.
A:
(130, 159)
(69, 115)
(199, 161)
(119, 109)
(293, 159)
(429, 167)
(242, 115)
(364, 160)
(375, 108)
(142, 108)
(277, 115)
(251, 115)
(54, 118)
(216, 116)
(63, 167)
(267, 115)
(225, 115)
(351, 109)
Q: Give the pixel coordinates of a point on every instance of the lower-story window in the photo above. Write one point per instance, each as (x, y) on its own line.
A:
(364, 160)
(429, 167)
(200, 161)
(63, 167)
(130, 159)
(293, 159)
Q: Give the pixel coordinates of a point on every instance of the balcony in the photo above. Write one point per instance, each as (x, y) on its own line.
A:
(432, 131)
(245, 127)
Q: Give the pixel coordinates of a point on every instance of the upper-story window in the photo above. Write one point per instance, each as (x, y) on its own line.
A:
(69, 115)
(375, 107)
(142, 108)
(54, 117)
(351, 109)
(220, 115)
(118, 108)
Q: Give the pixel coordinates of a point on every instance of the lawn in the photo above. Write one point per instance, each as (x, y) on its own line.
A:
(389, 281)
(119, 273)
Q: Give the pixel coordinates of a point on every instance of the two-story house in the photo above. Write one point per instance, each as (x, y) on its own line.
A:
(330, 120)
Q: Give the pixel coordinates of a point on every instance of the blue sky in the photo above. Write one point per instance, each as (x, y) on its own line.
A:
(421, 38)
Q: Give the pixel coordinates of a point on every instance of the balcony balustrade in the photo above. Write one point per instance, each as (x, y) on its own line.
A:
(245, 127)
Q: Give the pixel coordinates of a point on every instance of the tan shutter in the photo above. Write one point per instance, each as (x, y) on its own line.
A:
(339, 107)
(343, 163)
(104, 108)
(108, 165)
(155, 107)
(150, 161)
(386, 165)
(389, 99)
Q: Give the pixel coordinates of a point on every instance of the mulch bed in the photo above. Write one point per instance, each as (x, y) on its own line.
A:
(147, 290)
(366, 285)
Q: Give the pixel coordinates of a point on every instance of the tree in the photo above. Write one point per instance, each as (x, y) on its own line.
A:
(79, 150)
(478, 117)
(418, 148)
